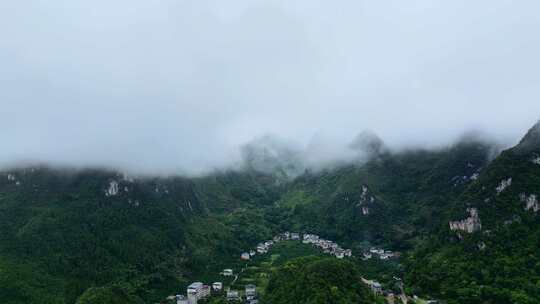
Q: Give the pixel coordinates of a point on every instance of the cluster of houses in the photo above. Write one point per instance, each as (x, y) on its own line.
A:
(327, 246)
(379, 253)
(195, 292)
(250, 295)
(198, 291)
(265, 246)
(375, 286)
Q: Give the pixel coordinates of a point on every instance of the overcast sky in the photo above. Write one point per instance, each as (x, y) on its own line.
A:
(167, 85)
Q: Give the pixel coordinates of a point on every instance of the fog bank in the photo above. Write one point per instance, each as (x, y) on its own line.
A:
(184, 86)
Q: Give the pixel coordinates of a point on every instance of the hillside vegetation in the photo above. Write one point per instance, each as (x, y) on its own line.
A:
(98, 236)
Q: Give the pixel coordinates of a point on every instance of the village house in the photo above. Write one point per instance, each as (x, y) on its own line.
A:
(245, 256)
(217, 286)
(375, 286)
(250, 290)
(181, 299)
(227, 272)
(252, 252)
(197, 291)
(310, 239)
(380, 253)
(295, 236)
(324, 244)
(233, 295)
(262, 248)
(376, 251)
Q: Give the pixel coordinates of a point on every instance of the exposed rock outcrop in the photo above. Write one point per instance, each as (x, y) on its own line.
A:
(531, 202)
(366, 199)
(470, 224)
(112, 190)
(503, 185)
(365, 210)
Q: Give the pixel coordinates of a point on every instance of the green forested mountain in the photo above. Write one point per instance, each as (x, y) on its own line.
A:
(499, 261)
(81, 235)
(98, 236)
(391, 199)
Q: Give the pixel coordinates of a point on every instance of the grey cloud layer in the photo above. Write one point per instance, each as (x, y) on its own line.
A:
(167, 86)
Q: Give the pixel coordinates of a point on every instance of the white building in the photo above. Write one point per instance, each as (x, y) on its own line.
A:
(181, 299)
(233, 295)
(217, 286)
(373, 285)
(227, 272)
(376, 287)
(194, 292)
(376, 251)
(245, 256)
(197, 291)
(262, 249)
(251, 290)
(310, 238)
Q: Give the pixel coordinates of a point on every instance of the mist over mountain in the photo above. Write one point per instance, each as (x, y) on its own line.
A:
(180, 87)
(269, 151)
(531, 141)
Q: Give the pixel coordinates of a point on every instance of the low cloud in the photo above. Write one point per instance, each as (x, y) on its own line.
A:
(181, 86)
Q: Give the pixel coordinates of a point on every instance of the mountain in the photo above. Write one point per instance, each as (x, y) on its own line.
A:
(464, 218)
(487, 253)
(69, 235)
(531, 142)
(388, 200)
(271, 155)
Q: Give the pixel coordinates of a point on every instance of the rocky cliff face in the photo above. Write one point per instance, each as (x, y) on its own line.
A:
(505, 183)
(470, 224)
(531, 202)
(366, 200)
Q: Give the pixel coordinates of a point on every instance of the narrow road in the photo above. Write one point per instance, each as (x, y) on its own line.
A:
(238, 274)
(403, 296)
